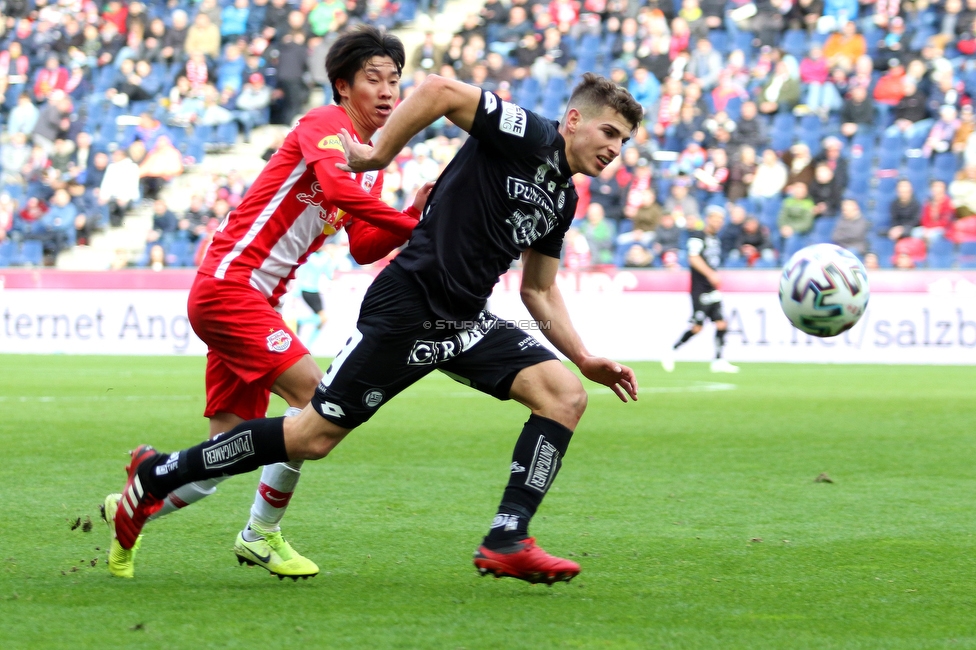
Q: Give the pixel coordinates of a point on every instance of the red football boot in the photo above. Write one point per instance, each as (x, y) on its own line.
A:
(137, 504)
(526, 562)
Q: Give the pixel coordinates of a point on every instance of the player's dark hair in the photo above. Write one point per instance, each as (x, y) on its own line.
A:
(594, 93)
(351, 51)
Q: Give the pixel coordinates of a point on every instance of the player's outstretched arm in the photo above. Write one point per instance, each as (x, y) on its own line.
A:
(545, 303)
(436, 97)
(368, 243)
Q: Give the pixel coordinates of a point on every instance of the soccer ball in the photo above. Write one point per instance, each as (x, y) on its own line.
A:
(823, 290)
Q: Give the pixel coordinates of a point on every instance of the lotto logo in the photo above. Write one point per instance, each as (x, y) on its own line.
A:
(279, 341)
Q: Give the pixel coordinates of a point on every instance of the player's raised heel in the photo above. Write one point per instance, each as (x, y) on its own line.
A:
(525, 561)
(273, 553)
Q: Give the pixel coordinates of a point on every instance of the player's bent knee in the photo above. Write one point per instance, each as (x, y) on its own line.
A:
(567, 402)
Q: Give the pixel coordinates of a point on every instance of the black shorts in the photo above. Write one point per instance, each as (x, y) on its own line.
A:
(399, 340)
(706, 305)
(313, 299)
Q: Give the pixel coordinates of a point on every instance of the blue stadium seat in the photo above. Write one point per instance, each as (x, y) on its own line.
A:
(967, 255)
(810, 129)
(884, 248)
(734, 108)
(944, 166)
(795, 42)
(823, 228)
(527, 94)
(770, 212)
(177, 251)
(31, 254)
(858, 184)
(720, 40)
(7, 252)
(941, 253)
(734, 262)
(890, 155)
(793, 244)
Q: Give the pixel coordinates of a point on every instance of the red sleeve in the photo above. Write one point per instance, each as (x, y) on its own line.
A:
(367, 243)
(347, 195)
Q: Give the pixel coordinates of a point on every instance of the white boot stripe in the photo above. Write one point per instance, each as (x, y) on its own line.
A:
(128, 508)
(138, 485)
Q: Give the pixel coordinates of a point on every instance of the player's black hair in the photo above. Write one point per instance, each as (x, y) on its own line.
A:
(594, 93)
(351, 51)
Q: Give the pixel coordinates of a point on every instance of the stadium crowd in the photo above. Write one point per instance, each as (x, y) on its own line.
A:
(808, 121)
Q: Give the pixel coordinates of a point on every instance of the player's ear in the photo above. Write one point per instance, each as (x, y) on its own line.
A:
(344, 88)
(573, 120)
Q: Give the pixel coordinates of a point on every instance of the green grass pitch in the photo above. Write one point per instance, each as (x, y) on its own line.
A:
(694, 513)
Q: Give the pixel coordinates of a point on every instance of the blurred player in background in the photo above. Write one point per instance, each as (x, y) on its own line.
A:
(704, 256)
(308, 278)
(299, 199)
(507, 194)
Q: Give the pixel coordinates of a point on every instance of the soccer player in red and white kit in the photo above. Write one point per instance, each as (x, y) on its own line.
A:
(298, 200)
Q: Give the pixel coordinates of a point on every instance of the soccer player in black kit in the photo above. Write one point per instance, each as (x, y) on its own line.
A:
(704, 256)
(507, 194)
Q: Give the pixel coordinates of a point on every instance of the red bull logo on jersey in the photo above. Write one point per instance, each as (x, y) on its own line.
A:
(279, 341)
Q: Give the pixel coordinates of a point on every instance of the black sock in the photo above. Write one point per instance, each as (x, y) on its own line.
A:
(244, 448)
(535, 462)
(684, 339)
(719, 343)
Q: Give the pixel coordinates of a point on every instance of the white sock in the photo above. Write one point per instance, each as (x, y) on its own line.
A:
(181, 497)
(278, 483)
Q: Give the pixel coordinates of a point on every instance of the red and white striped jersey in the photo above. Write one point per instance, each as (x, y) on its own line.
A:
(298, 200)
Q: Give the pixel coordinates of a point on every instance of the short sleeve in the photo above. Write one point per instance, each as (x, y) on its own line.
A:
(318, 137)
(695, 246)
(508, 128)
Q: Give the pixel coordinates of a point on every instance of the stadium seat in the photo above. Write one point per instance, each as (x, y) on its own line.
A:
(859, 183)
(770, 212)
(884, 248)
(31, 254)
(823, 228)
(527, 94)
(967, 255)
(944, 166)
(7, 252)
(177, 252)
(793, 244)
(734, 262)
(720, 40)
(795, 42)
(941, 253)
(890, 156)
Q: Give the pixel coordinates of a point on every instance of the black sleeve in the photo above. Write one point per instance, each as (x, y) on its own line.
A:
(508, 128)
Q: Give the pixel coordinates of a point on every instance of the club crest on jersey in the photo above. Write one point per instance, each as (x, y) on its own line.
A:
(331, 142)
(527, 228)
(279, 341)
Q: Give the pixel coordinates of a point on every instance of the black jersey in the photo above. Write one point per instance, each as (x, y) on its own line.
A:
(508, 188)
(709, 247)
